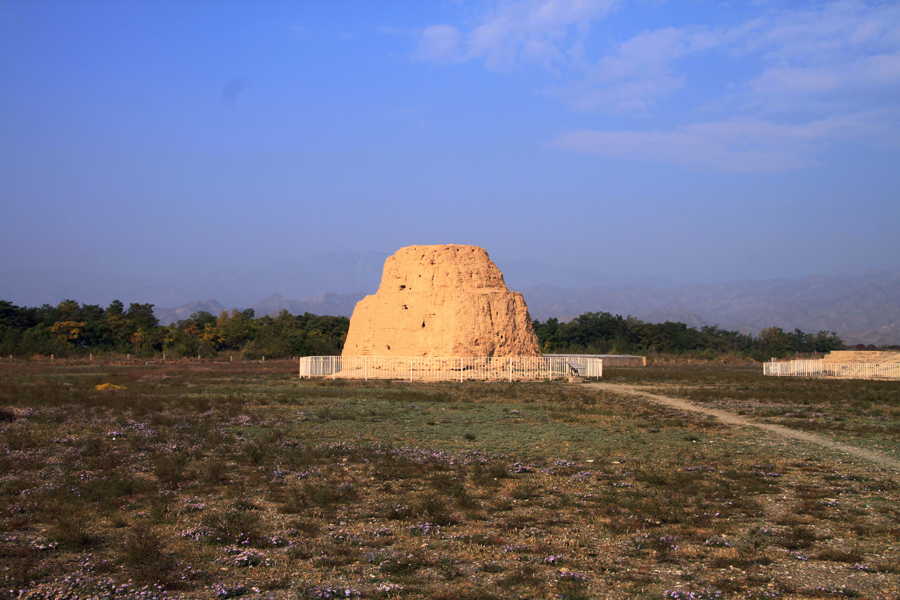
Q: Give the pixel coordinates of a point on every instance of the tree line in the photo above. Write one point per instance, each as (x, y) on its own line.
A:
(73, 329)
(604, 333)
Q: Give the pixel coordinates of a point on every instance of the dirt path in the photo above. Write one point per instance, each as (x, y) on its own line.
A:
(733, 419)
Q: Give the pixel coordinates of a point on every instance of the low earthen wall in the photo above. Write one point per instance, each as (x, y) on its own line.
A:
(861, 356)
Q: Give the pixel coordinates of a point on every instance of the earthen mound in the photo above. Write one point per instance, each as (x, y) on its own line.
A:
(441, 301)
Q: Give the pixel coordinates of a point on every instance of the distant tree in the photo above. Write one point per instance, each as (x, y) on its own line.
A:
(827, 341)
(68, 332)
(13, 317)
(235, 328)
(67, 310)
(142, 315)
(202, 318)
(546, 333)
(775, 342)
(115, 308)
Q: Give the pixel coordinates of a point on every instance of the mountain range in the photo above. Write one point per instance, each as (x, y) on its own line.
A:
(861, 309)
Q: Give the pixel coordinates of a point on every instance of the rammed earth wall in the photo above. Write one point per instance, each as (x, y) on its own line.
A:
(441, 301)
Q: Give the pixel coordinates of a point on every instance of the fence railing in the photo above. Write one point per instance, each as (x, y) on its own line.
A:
(818, 368)
(433, 368)
(609, 360)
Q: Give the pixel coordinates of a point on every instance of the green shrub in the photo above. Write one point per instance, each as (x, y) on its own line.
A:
(145, 556)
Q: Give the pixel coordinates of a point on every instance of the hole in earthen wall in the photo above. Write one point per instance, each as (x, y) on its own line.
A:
(423, 324)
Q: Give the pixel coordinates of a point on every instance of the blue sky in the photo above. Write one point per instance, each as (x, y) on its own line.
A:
(697, 141)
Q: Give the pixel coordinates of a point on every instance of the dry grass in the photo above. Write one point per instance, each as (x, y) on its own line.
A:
(218, 480)
(863, 412)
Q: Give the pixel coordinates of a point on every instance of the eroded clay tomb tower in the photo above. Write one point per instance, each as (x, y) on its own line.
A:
(441, 301)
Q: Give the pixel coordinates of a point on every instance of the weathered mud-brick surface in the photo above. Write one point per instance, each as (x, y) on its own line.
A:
(861, 356)
(441, 301)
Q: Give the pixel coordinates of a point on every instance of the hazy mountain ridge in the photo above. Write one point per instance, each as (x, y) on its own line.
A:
(296, 277)
(173, 315)
(325, 303)
(861, 309)
(320, 304)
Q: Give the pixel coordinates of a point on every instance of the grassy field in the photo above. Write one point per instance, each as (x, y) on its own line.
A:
(863, 413)
(237, 480)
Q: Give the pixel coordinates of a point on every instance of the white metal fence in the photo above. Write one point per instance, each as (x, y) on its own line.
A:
(609, 360)
(432, 368)
(818, 368)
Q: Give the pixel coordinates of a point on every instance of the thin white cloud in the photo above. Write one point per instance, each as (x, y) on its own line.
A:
(827, 59)
(736, 146)
(552, 34)
(833, 31)
(633, 95)
(786, 78)
(534, 31)
(537, 32)
(838, 45)
(864, 74)
(637, 73)
(439, 43)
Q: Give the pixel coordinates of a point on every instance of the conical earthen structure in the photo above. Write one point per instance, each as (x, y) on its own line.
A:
(441, 301)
